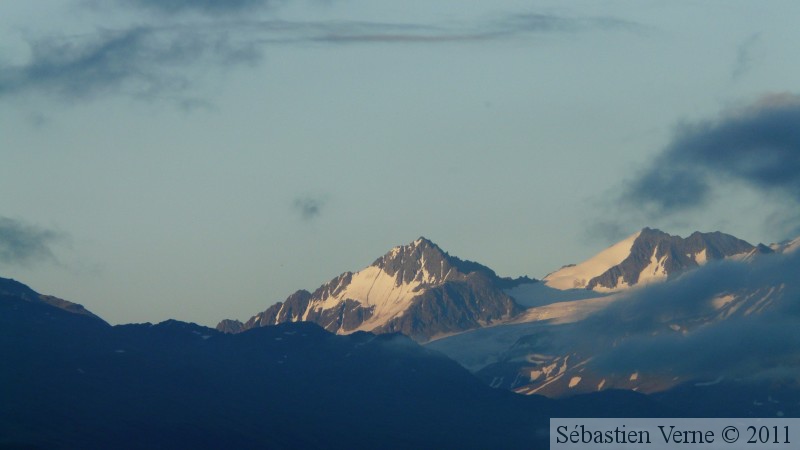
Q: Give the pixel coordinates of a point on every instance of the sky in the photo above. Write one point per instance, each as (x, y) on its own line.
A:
(202, 160)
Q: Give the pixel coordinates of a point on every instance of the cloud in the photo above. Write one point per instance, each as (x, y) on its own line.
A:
(344, 32)
(37, 119)
(745, 56)
(142, 62)
(736, 348)
(162, 60)
(203, 6)
(513, 25)
(534, 22)
(741, 345)
(758, 146)
(309, 207)
(608, 231)
(786, 220)
(24, 244)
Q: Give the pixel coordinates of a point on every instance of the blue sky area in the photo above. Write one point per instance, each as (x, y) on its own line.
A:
(203, 159)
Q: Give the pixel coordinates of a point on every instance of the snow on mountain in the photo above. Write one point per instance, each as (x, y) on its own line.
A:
(793, 246)
(417, 289)
(553, 348)
(577, 276)
(650, 256)
(565, 311)
(550, 355)
(786, 246)
(526, 336)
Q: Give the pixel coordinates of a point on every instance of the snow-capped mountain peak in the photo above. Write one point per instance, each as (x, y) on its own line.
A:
(577, 276)
(416, 288)
(421, 262)
(648, 256)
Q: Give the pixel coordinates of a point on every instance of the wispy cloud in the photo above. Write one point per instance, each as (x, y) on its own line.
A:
(24, 244)
(607, 231)
(745, 55)
(341, 32)
(535, 22)
(142, 62)
(164, 59)
(202, 6)
(758, 145)
(512, 25)
(309, 207)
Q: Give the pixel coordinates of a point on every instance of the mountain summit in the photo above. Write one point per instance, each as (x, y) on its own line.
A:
(649, 255)
(13, 288)
(417, 289)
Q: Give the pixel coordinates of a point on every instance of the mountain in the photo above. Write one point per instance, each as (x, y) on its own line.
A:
(416, 289)
(649, 255)
(71, 381)
(728, 319)
(716, 341)
(788, 246)
(13, 288)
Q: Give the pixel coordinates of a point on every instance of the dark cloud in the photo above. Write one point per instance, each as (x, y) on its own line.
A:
(24, 244)
(142, 62)
(758, 146)
(670, 186)
(309, 207)
(745, 56)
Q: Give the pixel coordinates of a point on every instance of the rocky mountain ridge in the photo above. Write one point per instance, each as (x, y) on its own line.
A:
(415, 289)
(650, 255)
